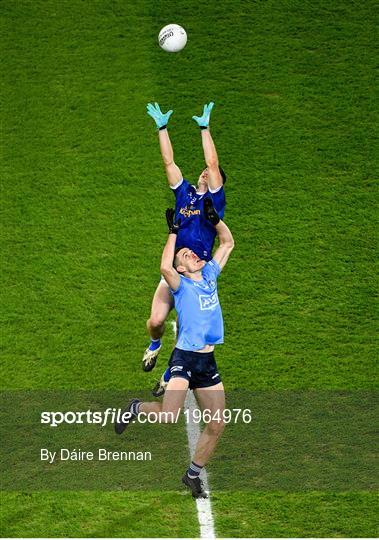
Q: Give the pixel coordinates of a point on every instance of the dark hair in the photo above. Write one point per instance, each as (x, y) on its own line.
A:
(223, 175)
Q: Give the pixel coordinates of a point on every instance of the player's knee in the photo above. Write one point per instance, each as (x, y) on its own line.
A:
(215, 428)
(155, 321)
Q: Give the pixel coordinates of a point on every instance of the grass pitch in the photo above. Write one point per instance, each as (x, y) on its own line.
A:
(83, 198)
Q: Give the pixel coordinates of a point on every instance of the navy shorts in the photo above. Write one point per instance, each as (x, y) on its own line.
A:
(199, 369)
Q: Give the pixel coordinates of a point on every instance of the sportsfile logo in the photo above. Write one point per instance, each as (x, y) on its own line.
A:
(208, 302)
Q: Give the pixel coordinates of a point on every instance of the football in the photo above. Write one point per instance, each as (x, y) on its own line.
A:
(172, 38)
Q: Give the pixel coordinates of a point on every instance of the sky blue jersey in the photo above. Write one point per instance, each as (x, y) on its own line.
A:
(199, 310)
(196, 232)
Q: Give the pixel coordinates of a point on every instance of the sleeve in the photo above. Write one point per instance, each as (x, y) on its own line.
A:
(180, 189)
(219, 202)
(211, 270)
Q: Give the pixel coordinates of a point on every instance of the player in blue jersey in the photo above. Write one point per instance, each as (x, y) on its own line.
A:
(195, 232)
(193, 282)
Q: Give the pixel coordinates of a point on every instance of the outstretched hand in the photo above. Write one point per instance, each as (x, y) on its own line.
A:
(203, 121)
(161, 119)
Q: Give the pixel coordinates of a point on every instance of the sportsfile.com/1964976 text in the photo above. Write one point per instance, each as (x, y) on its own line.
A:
(112, 415)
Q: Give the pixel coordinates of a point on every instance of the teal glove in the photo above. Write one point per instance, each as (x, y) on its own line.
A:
(155, 112)
(203, 121)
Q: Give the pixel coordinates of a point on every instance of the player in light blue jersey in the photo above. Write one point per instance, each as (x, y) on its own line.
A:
(193, 282)
(195, 232)
(198, 307)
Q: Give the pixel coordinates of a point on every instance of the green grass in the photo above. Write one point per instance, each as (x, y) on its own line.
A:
(99, 514)
(83, 198)
(290, 515)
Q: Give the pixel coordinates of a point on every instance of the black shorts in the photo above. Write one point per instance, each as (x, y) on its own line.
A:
(199, 369)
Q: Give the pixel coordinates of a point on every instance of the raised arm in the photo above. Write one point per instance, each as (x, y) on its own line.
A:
(167, 262)
(226, 245)
(173, 172)
(167, 270)
(210, 153)
(211, 159)
(226, 241)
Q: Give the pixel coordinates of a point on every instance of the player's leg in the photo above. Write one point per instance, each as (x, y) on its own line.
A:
(161, 306)
(180, 373)
(165, 412)
(172, 402)
(160, 386)
(212, 400)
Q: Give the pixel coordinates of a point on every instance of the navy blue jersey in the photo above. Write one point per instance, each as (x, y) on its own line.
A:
(196, 232)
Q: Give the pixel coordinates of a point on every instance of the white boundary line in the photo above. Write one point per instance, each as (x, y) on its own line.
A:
(204, 508)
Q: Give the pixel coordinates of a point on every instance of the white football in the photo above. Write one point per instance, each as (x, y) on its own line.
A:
(172, 38)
